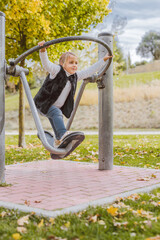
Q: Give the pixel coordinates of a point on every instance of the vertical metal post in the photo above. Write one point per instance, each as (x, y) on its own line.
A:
(106, 110)
(2, 97)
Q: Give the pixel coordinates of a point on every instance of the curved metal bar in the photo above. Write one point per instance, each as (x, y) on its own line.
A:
(67, 39)
(44, 141)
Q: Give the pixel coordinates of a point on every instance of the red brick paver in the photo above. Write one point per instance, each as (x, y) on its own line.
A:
(55, 184)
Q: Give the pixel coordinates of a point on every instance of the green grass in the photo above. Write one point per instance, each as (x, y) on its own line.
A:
(135, 217)
(34, 150)
(12, 100)
(133, 150)
(135, 79)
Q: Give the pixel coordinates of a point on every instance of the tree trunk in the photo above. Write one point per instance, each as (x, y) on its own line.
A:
(21, 142)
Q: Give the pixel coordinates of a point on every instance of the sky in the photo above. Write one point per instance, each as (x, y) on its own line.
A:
(137, 17)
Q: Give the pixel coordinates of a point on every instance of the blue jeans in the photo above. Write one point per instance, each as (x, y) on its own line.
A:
(55, 117)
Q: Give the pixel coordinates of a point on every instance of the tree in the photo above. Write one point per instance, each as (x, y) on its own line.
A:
(150, 45)
(29, 21)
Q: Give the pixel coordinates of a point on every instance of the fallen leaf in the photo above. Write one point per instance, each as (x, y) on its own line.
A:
(143, 179)
(143, 213)
(37, 201)
(119, 199)
(101, 222)
(153, 238)
(156, 204)
(2, 214)
(41, 224)
(23, 220)
(21, 229)
(148, 223)
(67, 224)
(134, 197)
(16, 236)
(27, 202)
(52, 221)
(93, 218)
(113, 211)
(147, 178)
(153, 176)
(122, 213)
(119, 224)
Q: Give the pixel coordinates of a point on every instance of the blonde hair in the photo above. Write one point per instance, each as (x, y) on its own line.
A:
(65, 56)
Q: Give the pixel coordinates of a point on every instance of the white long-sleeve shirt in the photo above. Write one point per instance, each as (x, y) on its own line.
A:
(54, 69)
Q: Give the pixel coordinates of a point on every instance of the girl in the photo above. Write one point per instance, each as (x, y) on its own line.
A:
(56, 96)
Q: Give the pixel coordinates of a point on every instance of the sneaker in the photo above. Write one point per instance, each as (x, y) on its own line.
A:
(58, 142)
(65, 134)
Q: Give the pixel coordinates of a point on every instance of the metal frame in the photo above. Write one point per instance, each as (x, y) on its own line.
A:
(2, 97)
(106, 111)
(16, 70)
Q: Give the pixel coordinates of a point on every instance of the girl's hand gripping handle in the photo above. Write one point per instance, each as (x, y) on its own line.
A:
(41, 44)
(106, 57)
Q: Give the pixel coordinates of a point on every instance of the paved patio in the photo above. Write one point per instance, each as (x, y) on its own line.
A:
(59, 184)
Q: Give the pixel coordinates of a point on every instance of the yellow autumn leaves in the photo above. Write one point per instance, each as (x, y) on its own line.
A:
(119, 209)
(24, 221)
(113, 211)
(25, 14)
(20, 7)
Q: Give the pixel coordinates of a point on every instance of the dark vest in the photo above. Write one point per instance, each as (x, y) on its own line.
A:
(51, 90)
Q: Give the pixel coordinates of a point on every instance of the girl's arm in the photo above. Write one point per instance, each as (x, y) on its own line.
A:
(92, 69)
(50, 67)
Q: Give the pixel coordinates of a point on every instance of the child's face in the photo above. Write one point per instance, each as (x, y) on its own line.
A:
(71, 64)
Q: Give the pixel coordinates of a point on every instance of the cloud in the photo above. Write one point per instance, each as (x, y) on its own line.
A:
(142, 16)
(146, 25)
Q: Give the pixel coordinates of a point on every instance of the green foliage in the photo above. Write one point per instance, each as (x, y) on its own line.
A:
(150, 45)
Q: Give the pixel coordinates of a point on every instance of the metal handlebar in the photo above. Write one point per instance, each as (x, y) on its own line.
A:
(66, 39)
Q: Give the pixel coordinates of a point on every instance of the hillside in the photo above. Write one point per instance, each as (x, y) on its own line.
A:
(149, 67)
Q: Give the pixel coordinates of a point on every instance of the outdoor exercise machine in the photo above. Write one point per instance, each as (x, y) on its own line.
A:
(104, 80)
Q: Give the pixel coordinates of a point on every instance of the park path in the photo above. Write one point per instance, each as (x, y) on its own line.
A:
(57, 186)
(119, 132)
